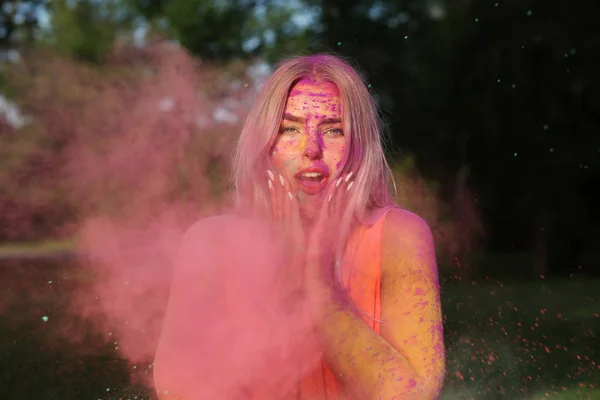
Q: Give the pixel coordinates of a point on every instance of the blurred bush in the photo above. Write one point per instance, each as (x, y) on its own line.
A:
(155, 127)
(456, 223)
(149, 126)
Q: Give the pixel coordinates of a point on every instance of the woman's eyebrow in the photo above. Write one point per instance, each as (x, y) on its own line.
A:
(294, 118)
(333, 120)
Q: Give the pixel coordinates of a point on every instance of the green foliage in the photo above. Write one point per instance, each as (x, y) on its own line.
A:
(91, 147)
(31, 191)
(19, 21)
(86, 29)
(502, 90)
(36, 192)
(209, 31)
(226, 30)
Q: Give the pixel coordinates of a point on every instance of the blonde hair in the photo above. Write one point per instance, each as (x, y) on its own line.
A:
(365, 158)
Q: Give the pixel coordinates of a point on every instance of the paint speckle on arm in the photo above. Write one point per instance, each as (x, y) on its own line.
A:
(411, 310)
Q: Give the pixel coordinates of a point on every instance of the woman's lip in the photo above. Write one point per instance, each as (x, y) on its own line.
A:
(311, 187)
(318, 170)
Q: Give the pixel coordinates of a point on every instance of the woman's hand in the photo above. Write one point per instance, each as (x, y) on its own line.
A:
(310, 258)
(320, 269)
(285, 212)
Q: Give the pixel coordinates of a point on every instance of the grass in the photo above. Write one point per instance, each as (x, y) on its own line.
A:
(570, 394)
(48, 352)
(521, 341)
(36, 249)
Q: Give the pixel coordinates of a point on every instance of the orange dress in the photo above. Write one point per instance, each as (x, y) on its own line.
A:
(362, 281)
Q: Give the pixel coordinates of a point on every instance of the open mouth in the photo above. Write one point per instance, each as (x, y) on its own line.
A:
(311, 182)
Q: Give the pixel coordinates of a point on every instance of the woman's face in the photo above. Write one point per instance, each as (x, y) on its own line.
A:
(311, 144)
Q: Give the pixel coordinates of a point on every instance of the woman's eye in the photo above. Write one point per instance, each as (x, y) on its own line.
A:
(335, 131)
(289, 129)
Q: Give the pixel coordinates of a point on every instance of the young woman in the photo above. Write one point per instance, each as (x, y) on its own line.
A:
(351, 273)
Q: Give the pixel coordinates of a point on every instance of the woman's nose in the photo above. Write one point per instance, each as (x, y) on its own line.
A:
(313, 148)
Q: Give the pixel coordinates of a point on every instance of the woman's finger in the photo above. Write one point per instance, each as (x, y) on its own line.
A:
(334, 205)
(292, 212)
(331, 205)
(343, 193)
(272, 194)
(278, 204)
(281, 196)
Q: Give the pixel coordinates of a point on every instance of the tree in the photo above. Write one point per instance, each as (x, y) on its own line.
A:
(19, 21)
(226, 30)
(87, 29)
(500, 89)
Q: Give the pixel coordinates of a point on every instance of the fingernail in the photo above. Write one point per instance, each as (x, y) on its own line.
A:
(350, 185)
(281, 180)
(271, 175)
(349, 176)
(329, 198)
(290, 196)
(270, 184)
(338, 182)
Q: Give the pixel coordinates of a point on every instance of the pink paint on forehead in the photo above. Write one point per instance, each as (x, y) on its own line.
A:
(297, 92)
(307, 87)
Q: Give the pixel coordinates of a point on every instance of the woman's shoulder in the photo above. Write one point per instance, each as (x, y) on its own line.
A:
(226, 233)
(222, 238)
(399, 219)
(407, 242)
(224, 225)
(394, 218)
(399, 227)
(402, 226)
(226, 243)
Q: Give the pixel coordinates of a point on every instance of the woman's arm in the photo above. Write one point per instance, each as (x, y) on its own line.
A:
(181, 361)
(407, 361)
